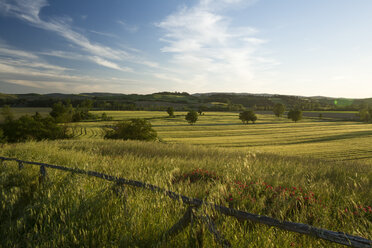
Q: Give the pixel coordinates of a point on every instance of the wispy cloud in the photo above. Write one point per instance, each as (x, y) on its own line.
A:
(110, 64)
(206, 49)
(103, 34)
(29, 11)
(128, 27)
(29, 69)
(18, 60)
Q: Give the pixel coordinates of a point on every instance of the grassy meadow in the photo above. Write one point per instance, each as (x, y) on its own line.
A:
(315, 171)
(72, 210)
(310, 137)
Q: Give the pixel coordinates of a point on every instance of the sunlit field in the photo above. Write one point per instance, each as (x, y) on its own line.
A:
(71, 210)
(311, 137)
(317, 172)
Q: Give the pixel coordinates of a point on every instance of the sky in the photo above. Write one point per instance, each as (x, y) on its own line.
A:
(293, 47)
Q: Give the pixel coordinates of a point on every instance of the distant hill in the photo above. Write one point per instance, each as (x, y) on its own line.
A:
(216, 101)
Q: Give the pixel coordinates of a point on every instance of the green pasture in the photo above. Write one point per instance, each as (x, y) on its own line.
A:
(310, 137)
(330, 140)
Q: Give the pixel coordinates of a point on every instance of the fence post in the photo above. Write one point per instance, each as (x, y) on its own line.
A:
(196, 231)
(20, 165)
(218, 237)
(43, 174)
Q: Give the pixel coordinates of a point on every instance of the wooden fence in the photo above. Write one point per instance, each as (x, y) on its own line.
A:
(193, 203)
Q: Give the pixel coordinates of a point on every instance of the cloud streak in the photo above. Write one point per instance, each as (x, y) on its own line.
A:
(29, 11)
(128, 27)
(28, 69)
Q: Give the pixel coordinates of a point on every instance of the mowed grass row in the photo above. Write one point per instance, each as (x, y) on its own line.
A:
(331, 140)
(71, 210)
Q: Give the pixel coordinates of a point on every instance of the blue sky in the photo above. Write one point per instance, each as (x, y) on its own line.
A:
(296, 47)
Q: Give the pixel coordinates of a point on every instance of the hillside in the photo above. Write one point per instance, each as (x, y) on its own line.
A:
(183, 101)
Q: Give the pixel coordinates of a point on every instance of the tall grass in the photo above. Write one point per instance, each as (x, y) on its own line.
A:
(71, 210)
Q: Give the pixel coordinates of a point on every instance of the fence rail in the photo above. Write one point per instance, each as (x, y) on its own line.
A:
(336, 237)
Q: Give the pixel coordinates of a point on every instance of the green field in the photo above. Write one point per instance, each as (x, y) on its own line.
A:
(315, 172)
(330, 140)
(69, 210)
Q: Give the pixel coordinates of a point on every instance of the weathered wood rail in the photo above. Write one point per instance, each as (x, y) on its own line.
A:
(336, 237)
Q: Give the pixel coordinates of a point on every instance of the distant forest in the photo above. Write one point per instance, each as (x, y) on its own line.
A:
(186, 101)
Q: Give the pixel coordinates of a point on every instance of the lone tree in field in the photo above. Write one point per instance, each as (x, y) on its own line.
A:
(170, 111)
(279, 109)
(365, 114)
(295, 115)
(191, 117)
(135, 129)
(247, 116)
(201, 110)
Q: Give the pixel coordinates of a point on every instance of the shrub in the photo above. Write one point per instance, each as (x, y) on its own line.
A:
(105, 117)
(191, 117)
(32, 128)
(365, 114)
(295, 115)
(135, 129)
(63, 112)
(279, 109)
(1, 136)
(170, 111)
(247, 116)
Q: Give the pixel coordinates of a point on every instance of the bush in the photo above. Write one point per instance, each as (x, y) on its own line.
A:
(62, 112)
(279, 109)
(32, 128)
(247, 116)
(191, 117)
(365, 114)
(1, 136)
(105, 117)
(170, 111)
(295, 115)
(135, 129)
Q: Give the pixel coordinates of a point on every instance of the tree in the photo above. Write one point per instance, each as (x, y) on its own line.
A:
(7, 113)
(191, 117)
(247, 116)
(170, 111)
(279, 109)
(135, 129)
(33, 128)
(201, 110)
(105, 117)
(365, 114)
(295, 115)
(62, 112)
